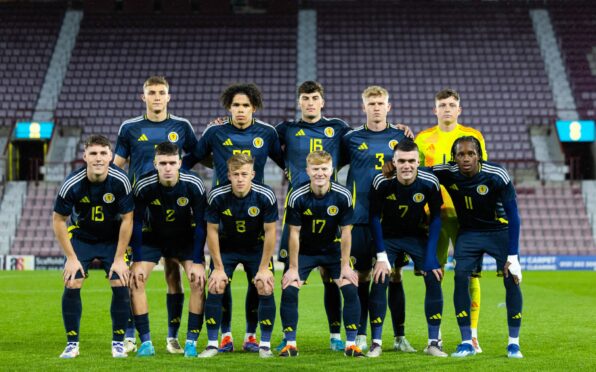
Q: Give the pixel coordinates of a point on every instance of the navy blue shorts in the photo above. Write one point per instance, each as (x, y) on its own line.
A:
(363, 251)
(397, 248)
(249, 260)
(306, 264)
(86, 252)
(470, 246)
(152, 251)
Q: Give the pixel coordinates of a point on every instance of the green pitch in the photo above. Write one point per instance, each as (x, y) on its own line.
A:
(558, 329)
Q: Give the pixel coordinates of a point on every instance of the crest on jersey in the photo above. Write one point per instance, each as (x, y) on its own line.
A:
(418, 197)
(258, 142)
(108, 197)
(392, 144)
(283, 253)
(253, 211)
(482, 189)
(182, 201)
(332, 210)
(329, 132)
(173, 137)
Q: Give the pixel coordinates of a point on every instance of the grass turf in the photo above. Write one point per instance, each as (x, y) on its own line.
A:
(557, 328)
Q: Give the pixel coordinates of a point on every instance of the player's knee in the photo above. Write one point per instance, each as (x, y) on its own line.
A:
(265, 290)
(75, 284)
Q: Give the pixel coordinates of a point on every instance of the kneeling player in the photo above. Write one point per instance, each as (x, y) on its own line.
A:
(412, 188)
(241, 219)
(484, 196)
(173, 202)
(318, 211)
(98, 199)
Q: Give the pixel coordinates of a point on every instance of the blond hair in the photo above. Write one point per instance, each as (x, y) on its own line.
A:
(156, 80)
(374, 91)
(318, 157)
(237, 161)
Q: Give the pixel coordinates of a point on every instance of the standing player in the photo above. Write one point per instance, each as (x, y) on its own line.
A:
(485, 202)
(320, 214)
(366, 149)
(242, 134)
(312, 132)
(174, 201)
(137, 139)
(241, 229)
(412, 188)
(435, 148)
(98, 199)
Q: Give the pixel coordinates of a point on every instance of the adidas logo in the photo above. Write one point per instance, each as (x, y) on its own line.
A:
(300, 133)
(85, 200)
(175, 321)
(119, 332)
(462, 314)
(516, 316)
(227, 212)
(454, 187)
(435, 317)
(210, 321)
(336, 323)
(364, 146)
(71, 333)
(288, 329)
(353, 327)
(391, 197)
(378, 320)
(307, 212)
(265, 322)
(143, 138)
(195, 331)
(155, 202)
(228, 142)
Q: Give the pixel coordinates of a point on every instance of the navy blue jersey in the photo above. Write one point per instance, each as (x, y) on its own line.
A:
(366, 151)
(320, 218)
(259, 140)
(138, 137)
(298, 139)
(241, 219)
(405, 213)
(478, 200)
(95, 207)
(174, 212)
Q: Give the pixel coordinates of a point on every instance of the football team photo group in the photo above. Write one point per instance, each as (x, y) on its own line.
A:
(408, 199)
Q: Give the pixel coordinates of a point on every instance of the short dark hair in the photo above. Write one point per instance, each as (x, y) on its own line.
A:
(309, 87)
(167, 148)
(250, 90)
(471, 139)
(99, 140)
(446, 93)
(406, 145)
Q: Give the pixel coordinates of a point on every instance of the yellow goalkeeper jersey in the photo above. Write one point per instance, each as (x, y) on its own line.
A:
(435, 145)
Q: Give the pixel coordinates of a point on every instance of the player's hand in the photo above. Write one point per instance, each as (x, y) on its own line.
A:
(382, 268)
(432, 266)
(196, 275)
(388, 169)
(218, 121)
(71, 267)
(513, 267)
(264, 280)
(290, 277)
(407, 131)
(217, 281)
(119, 267)
(348, 274)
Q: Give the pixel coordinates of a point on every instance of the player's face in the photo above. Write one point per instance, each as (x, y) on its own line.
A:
(376, 109)
(406, 163)
(311, 105)
(98, 159)
(156, 98)
(467, 158)
(241, 178)
(447, 110)
(319, 174)
(241, 110)
(167, 167)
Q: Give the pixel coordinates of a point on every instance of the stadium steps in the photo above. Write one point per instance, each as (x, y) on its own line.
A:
(589, 194)
(10, 212)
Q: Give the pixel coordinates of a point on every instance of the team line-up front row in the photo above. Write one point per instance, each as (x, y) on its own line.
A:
(168, 213)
